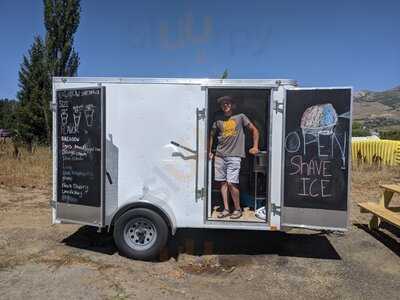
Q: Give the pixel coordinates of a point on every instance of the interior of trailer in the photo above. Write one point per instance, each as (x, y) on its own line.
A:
(254, 170)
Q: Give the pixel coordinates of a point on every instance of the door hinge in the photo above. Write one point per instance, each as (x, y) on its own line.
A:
(52, 203)
(276, 209)
(201, 193)
(278, 106)
(53, 106)
(201, 113)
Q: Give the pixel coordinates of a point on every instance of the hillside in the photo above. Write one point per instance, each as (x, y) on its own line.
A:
(378, 110)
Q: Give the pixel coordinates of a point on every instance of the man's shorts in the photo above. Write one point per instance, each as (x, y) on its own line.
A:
(227, 169)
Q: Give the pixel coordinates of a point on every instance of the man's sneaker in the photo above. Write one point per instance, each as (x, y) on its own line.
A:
(261, 213)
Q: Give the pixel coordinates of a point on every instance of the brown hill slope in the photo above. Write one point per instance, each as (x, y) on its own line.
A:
(379, 110)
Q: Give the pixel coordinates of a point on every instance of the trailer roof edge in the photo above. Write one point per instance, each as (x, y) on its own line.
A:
(196, 81)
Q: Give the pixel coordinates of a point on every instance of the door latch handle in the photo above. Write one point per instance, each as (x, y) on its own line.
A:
(183, 147)
(108, 177)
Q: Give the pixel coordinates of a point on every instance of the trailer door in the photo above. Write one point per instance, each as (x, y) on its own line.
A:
(316, 145)
(79, 154)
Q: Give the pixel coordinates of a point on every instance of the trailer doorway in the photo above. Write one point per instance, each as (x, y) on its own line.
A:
(254, 170)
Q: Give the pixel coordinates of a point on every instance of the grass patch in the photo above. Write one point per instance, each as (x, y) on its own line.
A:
(28, 170)
(370, 175)
(365, 180)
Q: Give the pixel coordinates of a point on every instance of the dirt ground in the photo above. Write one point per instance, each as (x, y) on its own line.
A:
(41, 261)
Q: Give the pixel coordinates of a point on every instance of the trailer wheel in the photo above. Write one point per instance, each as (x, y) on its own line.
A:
(140, 233)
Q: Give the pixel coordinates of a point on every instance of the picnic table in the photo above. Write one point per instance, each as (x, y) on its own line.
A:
(381, 211)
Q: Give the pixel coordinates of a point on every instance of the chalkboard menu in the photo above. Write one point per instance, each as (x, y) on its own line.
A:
(316, 146)
(79, 146)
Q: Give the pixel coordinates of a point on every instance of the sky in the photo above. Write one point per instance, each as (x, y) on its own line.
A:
(319, 43)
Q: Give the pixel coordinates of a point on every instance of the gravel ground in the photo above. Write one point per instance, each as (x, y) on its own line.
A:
(40, 261)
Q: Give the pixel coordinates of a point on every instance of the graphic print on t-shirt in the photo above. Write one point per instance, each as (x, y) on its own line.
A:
(230, 135)
(229, 128)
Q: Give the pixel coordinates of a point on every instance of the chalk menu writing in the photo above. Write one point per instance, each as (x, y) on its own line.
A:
(79, 146)
(316, 148)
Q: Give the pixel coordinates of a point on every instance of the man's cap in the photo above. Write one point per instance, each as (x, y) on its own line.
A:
(225, 99)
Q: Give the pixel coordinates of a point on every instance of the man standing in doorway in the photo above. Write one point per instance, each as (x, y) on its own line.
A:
(229, 153)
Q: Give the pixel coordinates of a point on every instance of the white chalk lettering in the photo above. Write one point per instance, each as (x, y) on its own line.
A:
(323, 186)
(292, 142)
(314, 188)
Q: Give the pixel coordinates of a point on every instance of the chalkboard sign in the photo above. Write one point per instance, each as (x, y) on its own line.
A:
(80, 146)
(316, 147)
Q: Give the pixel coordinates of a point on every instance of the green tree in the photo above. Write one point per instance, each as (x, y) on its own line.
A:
(390, 135)
(359, 130)
(7, 113)
(30, 120)
(61, 20)
(225, 74)
(55, 56)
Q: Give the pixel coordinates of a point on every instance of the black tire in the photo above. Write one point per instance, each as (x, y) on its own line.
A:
(136, 226)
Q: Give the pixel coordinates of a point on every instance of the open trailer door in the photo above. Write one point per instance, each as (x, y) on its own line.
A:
(317, 145)
(79, 155)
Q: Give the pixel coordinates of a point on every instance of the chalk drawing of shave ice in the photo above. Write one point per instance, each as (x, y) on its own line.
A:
(319, 119)
(77, 116)
(89, 111)
(64, 117)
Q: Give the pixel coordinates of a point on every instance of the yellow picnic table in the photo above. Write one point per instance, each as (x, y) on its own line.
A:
(382, 211)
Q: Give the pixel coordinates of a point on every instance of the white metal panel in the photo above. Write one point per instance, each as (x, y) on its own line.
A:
(142, 120)
(54, 147)
(275, 150)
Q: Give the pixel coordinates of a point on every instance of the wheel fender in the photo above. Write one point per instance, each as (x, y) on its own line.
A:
(151, 202)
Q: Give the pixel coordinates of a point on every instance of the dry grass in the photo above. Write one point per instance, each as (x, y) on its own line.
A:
(365, 181)
(28, 170)
(372, 175)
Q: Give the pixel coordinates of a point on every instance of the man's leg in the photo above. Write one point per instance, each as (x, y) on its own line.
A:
(220, 176)
(224, 194)
(232, 177)
(235, 195)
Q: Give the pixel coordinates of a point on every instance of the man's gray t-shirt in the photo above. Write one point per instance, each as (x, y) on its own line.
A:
(230, 135)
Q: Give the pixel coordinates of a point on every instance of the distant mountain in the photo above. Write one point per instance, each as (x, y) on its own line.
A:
(389, 98)
(396, 88)
(378, 109)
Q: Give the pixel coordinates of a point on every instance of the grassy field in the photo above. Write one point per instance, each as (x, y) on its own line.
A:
(367, 176)
(28, 170)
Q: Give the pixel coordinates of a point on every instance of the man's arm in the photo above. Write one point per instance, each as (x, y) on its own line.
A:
(256, 137)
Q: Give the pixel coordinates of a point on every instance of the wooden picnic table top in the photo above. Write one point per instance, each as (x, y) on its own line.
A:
(390, 216)
(391, 187)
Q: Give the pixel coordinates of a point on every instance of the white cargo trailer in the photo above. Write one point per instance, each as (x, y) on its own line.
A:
(132, 154)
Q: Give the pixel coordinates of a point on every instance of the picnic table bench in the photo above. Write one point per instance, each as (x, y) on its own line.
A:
(382, 211)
